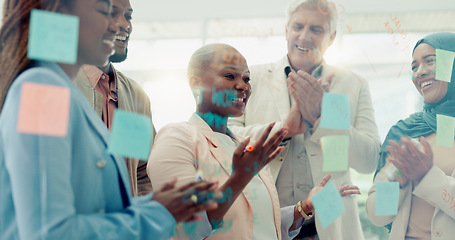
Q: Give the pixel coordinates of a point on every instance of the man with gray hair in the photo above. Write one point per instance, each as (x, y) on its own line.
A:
(289, 92)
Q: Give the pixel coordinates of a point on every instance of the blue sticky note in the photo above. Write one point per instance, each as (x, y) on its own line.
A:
(53, 37)
(444, 65)
(387, 194)
(328, 204)
(445, 130)
(335, 149)
(335, 111)
(131, 135)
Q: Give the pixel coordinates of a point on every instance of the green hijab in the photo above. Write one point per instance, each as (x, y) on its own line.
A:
(424, 123)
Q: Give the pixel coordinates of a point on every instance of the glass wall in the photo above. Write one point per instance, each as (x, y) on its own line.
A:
(160, 67)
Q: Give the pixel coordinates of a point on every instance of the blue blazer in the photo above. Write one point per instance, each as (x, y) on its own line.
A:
(68, 187)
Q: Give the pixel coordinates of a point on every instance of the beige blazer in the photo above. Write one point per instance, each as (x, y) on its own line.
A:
(436, 187)
(131, 97)
(181, 149)
(270, 102)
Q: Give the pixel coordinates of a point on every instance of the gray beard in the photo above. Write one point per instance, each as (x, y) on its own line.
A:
(117, 58)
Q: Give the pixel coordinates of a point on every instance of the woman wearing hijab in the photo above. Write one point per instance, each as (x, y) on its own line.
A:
(426, 205)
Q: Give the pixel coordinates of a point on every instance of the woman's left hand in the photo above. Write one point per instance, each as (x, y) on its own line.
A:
(412, 162)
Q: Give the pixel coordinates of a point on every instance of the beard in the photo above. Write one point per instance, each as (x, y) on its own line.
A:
(118, 57)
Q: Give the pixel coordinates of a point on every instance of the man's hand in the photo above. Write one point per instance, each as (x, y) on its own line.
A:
(294, 123)
(308, 92)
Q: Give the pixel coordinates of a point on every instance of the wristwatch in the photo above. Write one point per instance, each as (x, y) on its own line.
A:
(300, 210)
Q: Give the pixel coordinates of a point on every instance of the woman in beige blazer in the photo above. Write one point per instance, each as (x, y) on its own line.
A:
(204, 147)
(426, 205)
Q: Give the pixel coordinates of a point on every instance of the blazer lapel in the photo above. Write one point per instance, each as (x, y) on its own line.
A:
(83, 84)
(279, 87)
(124, 100)
(268, 181)
(103, 132)
(216, 149)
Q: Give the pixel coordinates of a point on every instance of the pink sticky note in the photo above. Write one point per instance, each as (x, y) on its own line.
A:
(44, 110)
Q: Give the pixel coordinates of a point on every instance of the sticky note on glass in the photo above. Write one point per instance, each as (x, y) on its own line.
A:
(387, 194)
(335, 149)
(43, 109)
(328, 204)
(131, 135)
(444, 65)
(53, 37)
(445, 130)
(335, 111)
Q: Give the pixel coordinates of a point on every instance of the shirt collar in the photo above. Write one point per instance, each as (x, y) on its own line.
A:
(317, 72)
(94, 74)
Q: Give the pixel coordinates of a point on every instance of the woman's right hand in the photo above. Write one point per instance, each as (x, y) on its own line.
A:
(179, 202)
(246, 163)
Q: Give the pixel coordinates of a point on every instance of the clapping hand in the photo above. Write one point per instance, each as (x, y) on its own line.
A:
(412, 162)
(307, 92)
(180, 201)
(247, 163)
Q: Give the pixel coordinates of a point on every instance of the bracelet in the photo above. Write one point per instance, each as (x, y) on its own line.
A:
(300, 210)
(285, 141)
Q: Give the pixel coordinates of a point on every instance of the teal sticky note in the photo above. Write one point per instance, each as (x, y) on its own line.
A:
(131, 135)
(335, 111)
(387, 194)
(445, 130)
(444, 65)
(53, 37)
(328, 204)
(335, 150)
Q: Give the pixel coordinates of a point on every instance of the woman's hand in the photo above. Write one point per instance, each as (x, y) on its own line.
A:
(412, 162)
(345, 190)
(180, 202)
(247, 163)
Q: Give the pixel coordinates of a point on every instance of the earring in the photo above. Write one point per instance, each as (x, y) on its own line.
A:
(197, 95)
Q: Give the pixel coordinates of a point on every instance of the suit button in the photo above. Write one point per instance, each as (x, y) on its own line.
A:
(101, 164)
(438, 233)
